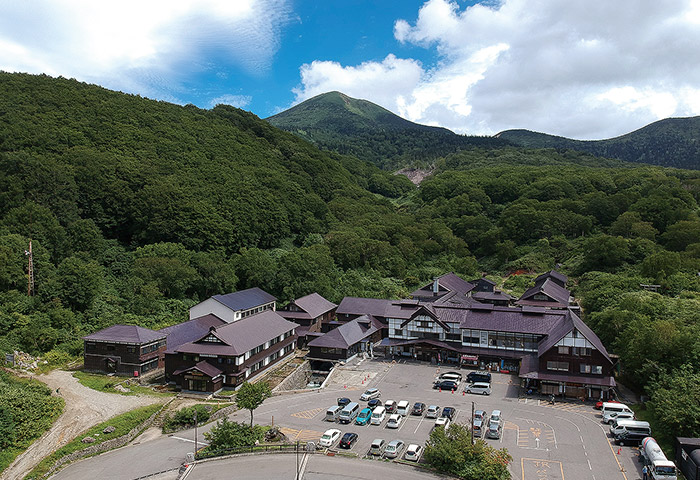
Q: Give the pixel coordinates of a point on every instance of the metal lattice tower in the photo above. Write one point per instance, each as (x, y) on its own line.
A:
(30, 273)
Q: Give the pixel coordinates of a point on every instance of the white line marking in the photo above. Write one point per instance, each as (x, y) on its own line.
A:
(589, 465)
(199, 442)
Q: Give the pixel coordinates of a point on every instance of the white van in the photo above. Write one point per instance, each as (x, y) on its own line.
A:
(402, 408)
(332, 413)
(349, 412)
(609, 407)
(378, 415)
(480, 388)
(620, 426)
(612, 416)
(453, 376)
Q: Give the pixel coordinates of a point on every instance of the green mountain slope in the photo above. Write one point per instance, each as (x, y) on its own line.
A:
(673, 142)
(334, 121)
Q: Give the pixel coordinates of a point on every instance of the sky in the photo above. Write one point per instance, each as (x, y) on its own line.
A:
(585, 69)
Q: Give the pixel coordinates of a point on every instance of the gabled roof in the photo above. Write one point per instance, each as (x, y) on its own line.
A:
(129, 334)
(314, 305)
(430, 312)
(203, 366)
(360, 306)
(557, 293)
(348, 334)
(242, 335)
(571, 321)
(559, 278)
(190, 331)
(502, 319)
(495, 295)
(449, 282)
(244, 299)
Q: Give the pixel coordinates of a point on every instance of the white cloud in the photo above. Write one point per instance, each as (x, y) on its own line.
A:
(138, 46)
(238, 101)
(581, 68)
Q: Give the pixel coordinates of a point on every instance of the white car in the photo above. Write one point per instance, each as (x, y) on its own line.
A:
(329, 438)
(394, 421)
(442, 422)
(432, 412)
(369, 394)
(394, 448)
(413, 452)
(479, 388)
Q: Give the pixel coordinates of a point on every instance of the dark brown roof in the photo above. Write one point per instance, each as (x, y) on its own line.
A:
(245, 299)
(558, 278)
(361, 306)
(130, 334)
(348, 334)
(190, 331)
(530, 365)
(242, 335)
(557, 293)
(313, 305)
(203, 366)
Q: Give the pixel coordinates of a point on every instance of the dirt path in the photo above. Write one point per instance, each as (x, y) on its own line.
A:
(84, 408)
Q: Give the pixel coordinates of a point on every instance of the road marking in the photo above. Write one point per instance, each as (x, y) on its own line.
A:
(418, 426)
(589, 465)
(307, 414)
(199, 442)
(542, 469)
(301, 435)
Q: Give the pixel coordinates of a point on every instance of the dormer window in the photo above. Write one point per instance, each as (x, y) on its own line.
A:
(211, 338)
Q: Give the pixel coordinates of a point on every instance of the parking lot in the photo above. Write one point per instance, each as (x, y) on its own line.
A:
(561, 441)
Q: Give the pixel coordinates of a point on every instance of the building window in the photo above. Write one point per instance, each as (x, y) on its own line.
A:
(597, 369)
(424, 324)
(211, 338)
(560, 366)
(585, 368)
(582, 351)
(563, 350)
(540, 297)
(111, 348)
(90, 347)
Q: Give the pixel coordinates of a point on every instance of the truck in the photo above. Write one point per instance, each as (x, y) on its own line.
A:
(659, 467)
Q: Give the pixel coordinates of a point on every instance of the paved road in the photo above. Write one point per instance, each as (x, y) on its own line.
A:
(566, 441)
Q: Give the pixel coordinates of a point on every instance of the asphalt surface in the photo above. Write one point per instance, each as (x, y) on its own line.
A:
(565, 441)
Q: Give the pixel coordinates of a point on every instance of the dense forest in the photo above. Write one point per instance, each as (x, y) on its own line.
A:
(137, 209)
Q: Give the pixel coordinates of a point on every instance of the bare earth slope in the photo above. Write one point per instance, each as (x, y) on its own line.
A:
(84, 408)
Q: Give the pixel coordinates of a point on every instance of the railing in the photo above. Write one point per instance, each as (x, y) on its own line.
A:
(265, 448)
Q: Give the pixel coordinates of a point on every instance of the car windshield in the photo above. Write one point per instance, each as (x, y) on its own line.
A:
(391, 448)
(326, 436)
(666, 470)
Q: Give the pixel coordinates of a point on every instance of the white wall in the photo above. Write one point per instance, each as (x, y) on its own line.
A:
(212, 306)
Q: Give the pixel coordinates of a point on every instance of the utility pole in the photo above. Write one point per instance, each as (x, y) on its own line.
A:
(195, 434)
(30, 272)
(471, 430)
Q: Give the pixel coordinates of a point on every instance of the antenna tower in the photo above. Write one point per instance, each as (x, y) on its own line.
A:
(30, 285)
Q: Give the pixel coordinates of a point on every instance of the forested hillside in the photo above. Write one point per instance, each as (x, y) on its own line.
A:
(137, 209)
(333, 121)
(672, 142)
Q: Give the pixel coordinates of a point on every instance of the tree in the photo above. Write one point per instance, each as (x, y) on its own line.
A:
(451, 451)
(226, 434)
(675, 401)
(251, 395)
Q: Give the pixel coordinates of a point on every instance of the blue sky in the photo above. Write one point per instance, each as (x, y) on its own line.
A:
(582, 68)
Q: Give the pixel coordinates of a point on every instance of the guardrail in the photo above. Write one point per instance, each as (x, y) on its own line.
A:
(265, 448)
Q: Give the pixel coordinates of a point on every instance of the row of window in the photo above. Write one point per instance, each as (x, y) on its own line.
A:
(578, 351)
(255, 310)
(583, 368)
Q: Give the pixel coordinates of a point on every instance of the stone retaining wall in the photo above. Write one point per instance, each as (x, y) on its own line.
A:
(296, 380)
(107, 445)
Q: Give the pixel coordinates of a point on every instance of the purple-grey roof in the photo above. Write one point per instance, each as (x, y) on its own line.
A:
(449, 282)
(348, 334)
(245, 299)
(314, 305)
(131, 334)
(560, 278)
(242, 335)
(361, 306)
(495, 295)
(502, 319)
(559, 294)
(571, 321)
(190, 331)
(203, 366)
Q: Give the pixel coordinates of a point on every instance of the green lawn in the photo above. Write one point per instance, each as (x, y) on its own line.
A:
(105, 383)
(123, 424)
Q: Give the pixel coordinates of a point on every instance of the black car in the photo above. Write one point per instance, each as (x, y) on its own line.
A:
(418, 408)
(479, 377)
(342, 401)
(375, 402)
(445, 385)
(347, 440)
(448, 412)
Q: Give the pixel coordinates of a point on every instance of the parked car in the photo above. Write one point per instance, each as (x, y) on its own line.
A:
(452, 376)
(479, 415)
(478, 388)
(599, 405)
(478, 427)
(448, 412)
(348, 439)
(433, 411)
(329, 438)
(342, 401)
(481, 376)
(375, 402)
(364, 416)
(496, 415)
(442, 422)
(332, 413)
(402, 407)
(446, 385)
(418, 408)
(394, 421)
(394, 449)
(612, 416)
(495, 429)
(390, 406)
(378, 415)
(369, 394)
(413, 452)
(377, 446)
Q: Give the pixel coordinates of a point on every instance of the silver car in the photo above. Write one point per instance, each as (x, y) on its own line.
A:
(369, 394)
(394, 449)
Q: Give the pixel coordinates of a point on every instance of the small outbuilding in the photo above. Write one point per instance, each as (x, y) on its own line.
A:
(124, 350)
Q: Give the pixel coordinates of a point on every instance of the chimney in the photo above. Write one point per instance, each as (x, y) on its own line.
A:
(436, 286)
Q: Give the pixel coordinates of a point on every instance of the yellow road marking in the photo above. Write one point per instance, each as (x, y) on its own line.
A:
(308, 414)
(542, 469)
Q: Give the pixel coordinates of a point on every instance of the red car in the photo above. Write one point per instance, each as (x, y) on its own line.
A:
(599, 405)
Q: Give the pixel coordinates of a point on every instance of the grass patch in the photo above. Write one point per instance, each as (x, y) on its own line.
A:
(666, 442)
(105, 383)
(122, 423)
